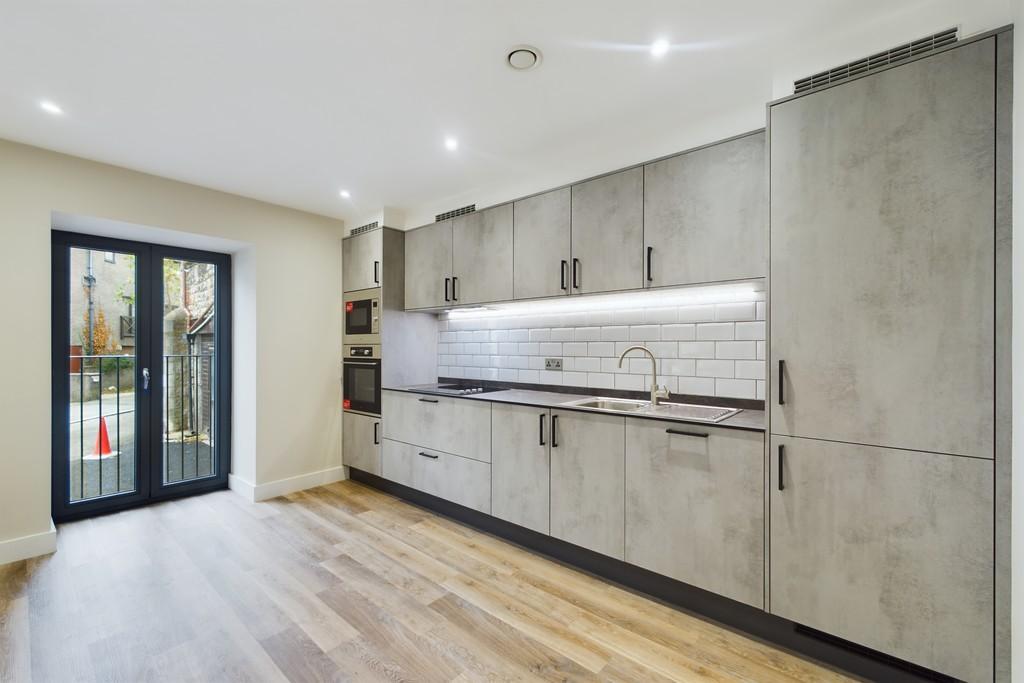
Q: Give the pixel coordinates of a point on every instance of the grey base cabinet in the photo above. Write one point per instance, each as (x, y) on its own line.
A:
(891, 549)
(695, 506)
(587, 481)
(460, 480)
(453, 425)
(360, 442)
(521, 465)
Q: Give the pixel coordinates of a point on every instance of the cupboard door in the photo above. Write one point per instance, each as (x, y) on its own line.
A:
(706, 214)
(695, 506)
(521, 465)
(882, 257)
(454, 425)
(587, 480)
(891, 549)
(361, 257)
(459, 480)
(428, 266)
(608, 233)
(360, 442)
(541, 244)
(482, 256)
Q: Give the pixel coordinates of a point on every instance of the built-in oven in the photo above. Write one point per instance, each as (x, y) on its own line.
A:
(362, 317)
(361, 379)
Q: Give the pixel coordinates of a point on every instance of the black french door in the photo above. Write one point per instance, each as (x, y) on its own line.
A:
(141, 353)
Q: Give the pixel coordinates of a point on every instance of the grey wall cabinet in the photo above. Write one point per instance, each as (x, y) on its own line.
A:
(360, 443)
(705, 214)
(362, 260)
(542, 244)
(428, 266)
(460, 480)
(891, 549)
(454, 425)
(520, 465)
(882, 257)
(608, 233)
(587, 480)
(482, 256)
(695, 506)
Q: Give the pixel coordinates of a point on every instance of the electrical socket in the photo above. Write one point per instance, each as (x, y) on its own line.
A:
(552, 363)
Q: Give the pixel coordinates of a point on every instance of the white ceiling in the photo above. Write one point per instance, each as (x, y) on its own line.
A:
(291, 100)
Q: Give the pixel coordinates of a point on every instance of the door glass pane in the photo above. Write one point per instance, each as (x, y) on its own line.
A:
(101, 363)
(189, 370)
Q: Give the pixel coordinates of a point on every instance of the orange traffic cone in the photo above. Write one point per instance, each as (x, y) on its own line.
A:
(102, 446)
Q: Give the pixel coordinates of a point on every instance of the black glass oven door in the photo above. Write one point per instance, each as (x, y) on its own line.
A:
(362, 386)
(359, 317)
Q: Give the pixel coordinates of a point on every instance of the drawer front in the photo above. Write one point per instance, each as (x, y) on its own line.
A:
(453, 425)
(360, 442)
(459, 480)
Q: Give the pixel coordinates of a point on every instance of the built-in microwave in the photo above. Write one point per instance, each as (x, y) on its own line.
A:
(362, 317)
(361, 379)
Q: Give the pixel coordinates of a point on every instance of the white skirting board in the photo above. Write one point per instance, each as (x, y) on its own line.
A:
(272, 489)
(29, 546)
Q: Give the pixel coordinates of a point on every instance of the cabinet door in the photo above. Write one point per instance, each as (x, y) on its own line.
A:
(361, 258)
(587, 480)
(695, 506)
(541, 241)
(891, 549)
(706, 214)
(608, 233)
(454, 425)
(482, 256)
(360, 443)
(882, 257)
(428, 266)
(460, 480)
(521, 465)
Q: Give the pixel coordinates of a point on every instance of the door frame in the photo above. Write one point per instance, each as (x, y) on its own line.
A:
(149, 329)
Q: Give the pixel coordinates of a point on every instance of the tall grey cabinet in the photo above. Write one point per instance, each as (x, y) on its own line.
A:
(882, 328)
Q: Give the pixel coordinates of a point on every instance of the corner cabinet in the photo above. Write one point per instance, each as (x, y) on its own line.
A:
(482, 256)
(428, 266)
(608, 233)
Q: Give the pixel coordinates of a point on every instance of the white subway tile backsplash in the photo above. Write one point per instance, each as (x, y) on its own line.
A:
(617, 333)
(701, 386)
(645, 333)
(678, 366)
(587, 334)
(663, 349)
(536, 362)
(519, 362)
(736, 311)
(750, 369)
(472, 347)
(519, 335)
(696, 349)
(499, 335)
(574, 379)
(599, 318)
(716, 331)
(599, 380)
(736, 388)
(489, 348)
(550, 377)
(562, 334)
(472, 373)
(528, 349)
(540, 335)
(529, 376)
(489, 373)
(681, 332)
(574, 349)
(740, 350)
(629, 382)
(754, 330)
(628, 316)
(661, 316)
(762, 309)
(611, 365)
(508, 375)
(600, 349)
(550, 349)
(762, 350)
(508, 348)
(586, 364)
(447, 337)
(715, 368)
(697, 314)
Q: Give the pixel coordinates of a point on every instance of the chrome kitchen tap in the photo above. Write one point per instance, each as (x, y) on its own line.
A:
(657, 393)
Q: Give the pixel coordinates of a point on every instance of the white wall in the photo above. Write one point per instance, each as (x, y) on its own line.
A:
(287, 316)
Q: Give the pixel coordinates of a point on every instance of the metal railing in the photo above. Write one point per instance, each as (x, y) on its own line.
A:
(192, 381)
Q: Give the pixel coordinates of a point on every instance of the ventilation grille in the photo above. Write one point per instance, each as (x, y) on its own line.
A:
(364, 228)
(462, 211)
(877, 61)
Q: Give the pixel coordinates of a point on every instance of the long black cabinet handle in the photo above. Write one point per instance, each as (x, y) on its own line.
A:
(376, 435)
(782, 382)
(541, 428)
(428, 455)
(376, 272)
(446, 297)
(682, 433)
(782, 464)
(575, 273)
(650, 276)
(428, 400)
(455, 289)
(554, 431)
(565, 267)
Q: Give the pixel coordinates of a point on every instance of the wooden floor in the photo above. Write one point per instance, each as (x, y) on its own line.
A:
(339, 583)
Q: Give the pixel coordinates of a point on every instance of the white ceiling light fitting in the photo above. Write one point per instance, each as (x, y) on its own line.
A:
(523, 58)
(50, 107)
(451, 144)
(660, 48)
(345, 194)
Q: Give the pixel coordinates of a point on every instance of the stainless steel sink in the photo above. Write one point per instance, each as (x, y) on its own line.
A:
(683, 411)
(619, 405)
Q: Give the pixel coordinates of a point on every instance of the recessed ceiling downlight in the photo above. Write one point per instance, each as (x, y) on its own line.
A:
(523, 58)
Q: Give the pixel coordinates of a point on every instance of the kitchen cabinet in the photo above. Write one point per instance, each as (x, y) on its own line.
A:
(362, 258)
(451, 477)
(428, 266)
(360, 442)
(454, 425)
(520, 465)
(882, 257)
(608, 233)
(695, 506)
(891, 549)
(542, 227)
(482, 256)
(587, 480)
(705, 214)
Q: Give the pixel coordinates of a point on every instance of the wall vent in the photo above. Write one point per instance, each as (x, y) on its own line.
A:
(364, 228)
(461, 211)
(878, 60)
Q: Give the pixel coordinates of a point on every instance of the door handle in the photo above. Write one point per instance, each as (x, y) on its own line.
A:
(650, 251)
(565, 267)
(428, 455)
(575, 273)
(554, 431)
(782, 382)
(376, 272)
(145, 379)
(446, 297)
(455, 289)
(376, 436)
(541, 416)
(782, 463)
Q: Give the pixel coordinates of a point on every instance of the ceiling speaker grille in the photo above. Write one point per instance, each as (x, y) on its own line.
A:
(899, 53)
(461, 211)
(364, 228)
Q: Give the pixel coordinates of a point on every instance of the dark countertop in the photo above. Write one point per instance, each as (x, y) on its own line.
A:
(747, 419)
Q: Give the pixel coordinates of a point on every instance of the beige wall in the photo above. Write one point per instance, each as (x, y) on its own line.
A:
(287, 317)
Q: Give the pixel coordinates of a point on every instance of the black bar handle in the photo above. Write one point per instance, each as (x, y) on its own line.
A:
(682, 433)
(455, 290)
(782, 382)
(428, 455)
(376, 272)
(565, 267)
(428, 400)
(782, 464)
(541, 421)
(376, 436)
(554, 431)
(575, 273)
(446, 297)
(650, 251)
